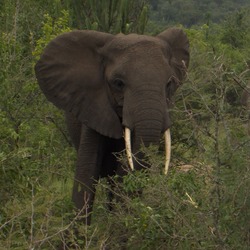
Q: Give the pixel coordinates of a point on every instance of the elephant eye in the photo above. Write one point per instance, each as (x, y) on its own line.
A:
(118, 84)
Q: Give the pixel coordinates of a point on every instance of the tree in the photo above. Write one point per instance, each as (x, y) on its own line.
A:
(111, 15)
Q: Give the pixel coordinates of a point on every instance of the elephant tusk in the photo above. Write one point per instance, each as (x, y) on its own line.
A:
(127, 137)
(167, 150)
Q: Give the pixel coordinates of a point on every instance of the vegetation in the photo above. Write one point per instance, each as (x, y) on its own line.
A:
(194, 12)
(202, 204)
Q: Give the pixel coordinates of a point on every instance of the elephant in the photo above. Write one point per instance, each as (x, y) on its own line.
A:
(116, 93)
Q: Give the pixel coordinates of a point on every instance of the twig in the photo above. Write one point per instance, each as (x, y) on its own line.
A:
(32, 218)
(79, 214)
(239, 83)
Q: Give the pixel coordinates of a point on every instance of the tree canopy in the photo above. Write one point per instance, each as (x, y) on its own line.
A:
(194, 12)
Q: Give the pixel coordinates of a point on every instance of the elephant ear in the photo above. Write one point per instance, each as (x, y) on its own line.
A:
(70, 74)
(178, 45)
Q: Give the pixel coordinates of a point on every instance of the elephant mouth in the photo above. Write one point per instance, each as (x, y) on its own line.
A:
(130, 156)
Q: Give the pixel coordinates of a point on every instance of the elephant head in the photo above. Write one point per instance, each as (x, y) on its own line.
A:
(113, 83)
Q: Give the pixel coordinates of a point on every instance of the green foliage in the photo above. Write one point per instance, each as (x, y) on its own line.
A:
(112, 16)
(135, 182)
(204, 201)
(50, 30)
(208, 107)
(236, 29)
(30, 221)
(29, 162)
(193, 12)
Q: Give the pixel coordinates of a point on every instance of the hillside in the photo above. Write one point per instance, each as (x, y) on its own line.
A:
(193, 12)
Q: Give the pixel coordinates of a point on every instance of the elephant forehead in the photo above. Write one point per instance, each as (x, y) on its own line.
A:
(133, 53)
(135, 43)
(140, 58)
(140, 54)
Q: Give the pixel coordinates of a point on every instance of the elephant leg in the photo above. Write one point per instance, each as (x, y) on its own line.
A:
(112, 166)
(89, 159)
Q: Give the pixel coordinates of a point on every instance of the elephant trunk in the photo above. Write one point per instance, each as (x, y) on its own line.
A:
(145, 122)
(147, 131)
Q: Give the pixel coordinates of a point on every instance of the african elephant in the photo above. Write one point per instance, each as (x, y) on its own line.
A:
(107, 84)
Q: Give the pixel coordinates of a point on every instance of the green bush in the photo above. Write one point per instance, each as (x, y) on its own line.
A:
(202, 204)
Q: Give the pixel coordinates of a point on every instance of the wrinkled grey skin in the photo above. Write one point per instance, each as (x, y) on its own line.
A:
(105, 83)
